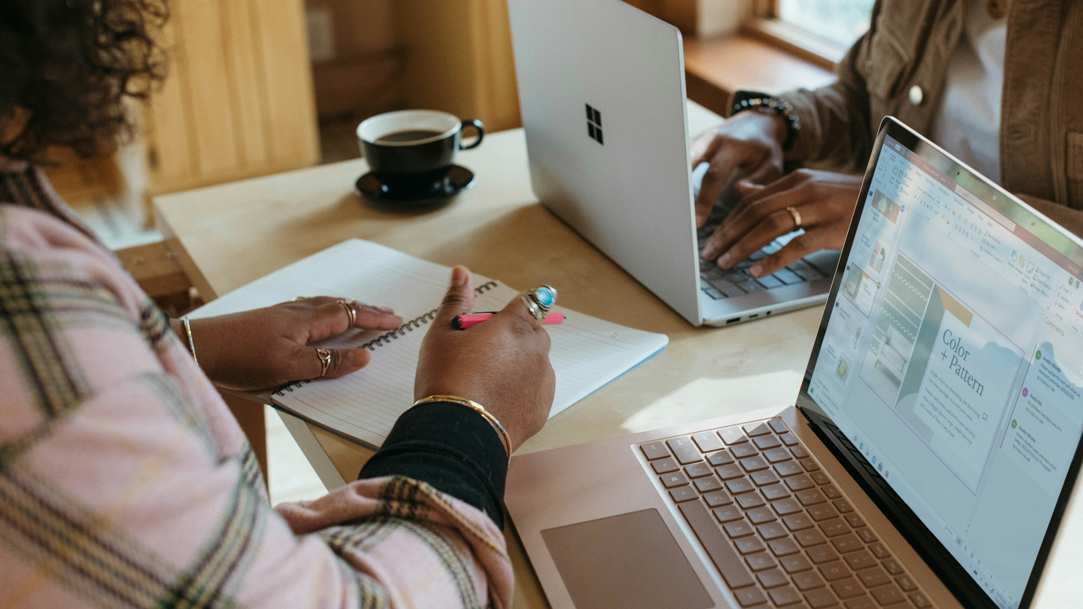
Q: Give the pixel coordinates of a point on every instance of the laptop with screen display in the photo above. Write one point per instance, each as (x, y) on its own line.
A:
(927, 461)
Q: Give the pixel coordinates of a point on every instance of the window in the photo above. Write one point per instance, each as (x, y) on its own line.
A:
(839, 21)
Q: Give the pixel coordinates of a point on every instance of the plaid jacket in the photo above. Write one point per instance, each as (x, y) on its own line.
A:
(125, 481)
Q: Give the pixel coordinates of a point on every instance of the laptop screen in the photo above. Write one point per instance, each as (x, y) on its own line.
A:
(952, 358)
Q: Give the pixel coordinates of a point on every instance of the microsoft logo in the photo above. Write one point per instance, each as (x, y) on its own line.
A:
(594, 124)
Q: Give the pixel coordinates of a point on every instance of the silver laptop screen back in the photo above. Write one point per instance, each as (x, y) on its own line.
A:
(601, 91)
(953, 360)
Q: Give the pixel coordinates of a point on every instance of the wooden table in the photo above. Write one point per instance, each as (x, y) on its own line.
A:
(229, 235)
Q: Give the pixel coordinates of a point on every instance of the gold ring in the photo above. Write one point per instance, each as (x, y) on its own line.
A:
(298, 298)
(796, 216)
(325, 360)
(350, 310)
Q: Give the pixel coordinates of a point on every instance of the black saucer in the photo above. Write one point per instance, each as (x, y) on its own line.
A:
(416, 195)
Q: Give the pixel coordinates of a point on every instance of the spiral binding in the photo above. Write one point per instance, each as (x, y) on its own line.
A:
(387, 337)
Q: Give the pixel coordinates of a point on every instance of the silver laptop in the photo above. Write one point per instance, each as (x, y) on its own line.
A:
(602, 96)
(929, 457)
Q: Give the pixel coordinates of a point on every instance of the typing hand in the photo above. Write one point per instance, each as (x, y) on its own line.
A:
(269, 347)
(750, 143)
(824, 201)
(502, 364)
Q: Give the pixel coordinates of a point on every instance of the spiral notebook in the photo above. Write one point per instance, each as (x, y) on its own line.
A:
(586, 353)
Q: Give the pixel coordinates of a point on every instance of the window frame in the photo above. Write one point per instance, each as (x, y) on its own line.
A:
(766, 24)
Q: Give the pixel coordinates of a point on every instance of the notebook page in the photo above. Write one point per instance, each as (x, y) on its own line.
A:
(586, 352)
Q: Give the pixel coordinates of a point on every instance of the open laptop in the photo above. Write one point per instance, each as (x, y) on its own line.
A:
(928, 460)
(602, 96)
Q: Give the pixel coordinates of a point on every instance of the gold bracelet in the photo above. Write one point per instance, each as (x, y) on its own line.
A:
(191, 343)
(505, 439)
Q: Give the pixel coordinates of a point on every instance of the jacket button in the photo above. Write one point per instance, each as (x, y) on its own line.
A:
(916, 95)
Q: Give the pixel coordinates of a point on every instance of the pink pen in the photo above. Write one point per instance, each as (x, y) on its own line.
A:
(462, 322)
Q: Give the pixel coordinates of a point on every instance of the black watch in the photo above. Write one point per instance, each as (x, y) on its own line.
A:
(762, 102)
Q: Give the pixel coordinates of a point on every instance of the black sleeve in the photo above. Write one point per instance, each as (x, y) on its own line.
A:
(452, 448)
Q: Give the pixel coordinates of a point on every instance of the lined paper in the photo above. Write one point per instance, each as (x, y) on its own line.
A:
(586, 353)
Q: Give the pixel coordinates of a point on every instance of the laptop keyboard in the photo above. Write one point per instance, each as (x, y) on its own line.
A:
(774, 524)
(719, 283)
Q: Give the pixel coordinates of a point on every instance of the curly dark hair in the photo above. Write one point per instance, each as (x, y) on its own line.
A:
(66, 67)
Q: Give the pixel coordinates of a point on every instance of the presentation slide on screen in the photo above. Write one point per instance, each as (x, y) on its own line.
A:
(946, 371)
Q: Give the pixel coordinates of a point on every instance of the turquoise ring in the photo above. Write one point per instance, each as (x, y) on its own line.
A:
(539, 300)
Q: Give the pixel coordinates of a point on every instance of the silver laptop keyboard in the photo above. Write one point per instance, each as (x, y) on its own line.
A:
(776, 526)
(720, 283)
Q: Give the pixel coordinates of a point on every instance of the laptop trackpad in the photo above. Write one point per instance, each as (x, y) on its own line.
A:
(629, 561)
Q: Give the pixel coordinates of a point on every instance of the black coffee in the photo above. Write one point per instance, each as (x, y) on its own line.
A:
(409, 135)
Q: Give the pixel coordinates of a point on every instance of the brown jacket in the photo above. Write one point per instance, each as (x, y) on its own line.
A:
(910, 44)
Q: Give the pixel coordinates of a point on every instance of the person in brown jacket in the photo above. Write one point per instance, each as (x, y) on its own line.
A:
(996, 83)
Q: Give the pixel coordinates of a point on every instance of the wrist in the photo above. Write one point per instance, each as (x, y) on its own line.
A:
(761, 104)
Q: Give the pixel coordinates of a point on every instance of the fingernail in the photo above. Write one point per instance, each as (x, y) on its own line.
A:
(725, 261)
(708, 252)
(459, 275)
(756, 271)
(387, 310)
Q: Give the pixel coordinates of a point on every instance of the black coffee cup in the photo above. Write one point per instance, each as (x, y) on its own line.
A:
(414, 147)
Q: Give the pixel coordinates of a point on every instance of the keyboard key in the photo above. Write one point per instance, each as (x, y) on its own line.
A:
(843, 506)
(654, 450)
(788, 277)
(798, 522)
(788, 468)
(766, 442)
(861, 602)
(770, 282)
(783, 547)
(821, 554)
(820, 478)
(749, 500)
(893, 567)
(887, 595)
(810, 497)
(799, 483)
(867, 535)
(788, 439)
(818, 599)
(718, 458)
(860, 560)
(772, 531)
(749, 597)
(760, 561)
(718, 548)
(739, 485)
(724, 286)
(831, 492)
(744, 450)
(834, 527)
(727, 513)
(879, 551)
(757, 429)
(728, 472)
(753, 464)
(847, 588)
(854, 520)
(757, 256)
(799, 452)
(904, 582)
(763, 477)
(717, 498)
(808, 580)
(809, 465)
(706, 485)
(784, 507)
(738, 528)
(847, 543)
(713, 293)
(778, 425)
(784, 596)
(875, 577)
(808, 538)
(833, 571)
(732, 435)
(920, 600)
(684, 450)
(748, 545)
(822, 511)
(777, 455)
(761, 515)
(698, 470)
(794, 563)
(707, 441)
(664, 466)
(774, 491)
(673, 479)
(682, 493)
